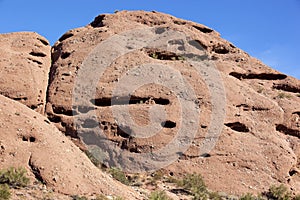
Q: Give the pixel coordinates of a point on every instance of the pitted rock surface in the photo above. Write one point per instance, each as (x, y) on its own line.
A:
(24, 66)
(259, 143)
(29, 140)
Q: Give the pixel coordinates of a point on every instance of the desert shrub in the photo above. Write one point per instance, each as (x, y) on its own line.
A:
(101, 197)
(214, 196)
(283, 95)
(76, 197)
(279, 193)
(158, 195)
(156, 176)
(119, 175)
(4, 192)
(14, 177)
(194, 183)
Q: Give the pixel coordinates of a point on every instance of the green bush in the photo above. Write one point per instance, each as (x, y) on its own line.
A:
(158, 195)
(14, 177)
(194, 183)
(4, 192)
(279, 193)
(119, 175)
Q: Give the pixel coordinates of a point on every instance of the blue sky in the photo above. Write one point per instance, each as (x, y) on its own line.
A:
(266, 29)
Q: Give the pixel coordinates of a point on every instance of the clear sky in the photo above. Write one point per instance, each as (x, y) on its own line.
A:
(266, 29)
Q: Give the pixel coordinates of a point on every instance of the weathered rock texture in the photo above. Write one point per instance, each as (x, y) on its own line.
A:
(259, 145)
(24, 66)
(29, 140)
(260, 141)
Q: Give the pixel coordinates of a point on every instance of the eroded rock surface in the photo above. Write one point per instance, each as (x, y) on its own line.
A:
(259, 143)
(24, 66)
(29, 140)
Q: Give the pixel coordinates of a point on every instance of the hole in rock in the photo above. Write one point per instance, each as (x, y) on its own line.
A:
(43, 41)
(220, 49)
(287, 131)
(98, 21)
(261, 76)
(65, 55)
(65, 36)
(37, 54)
(28, 139)
(105, 101)
(168, 124)
(292, 172)
(287, 87)
(237, 126)
(163, 55)
(203, 29)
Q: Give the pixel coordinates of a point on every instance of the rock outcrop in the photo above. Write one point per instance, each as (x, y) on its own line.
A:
(130, 87)
(259, 144)
(29, 140)
(24, 67)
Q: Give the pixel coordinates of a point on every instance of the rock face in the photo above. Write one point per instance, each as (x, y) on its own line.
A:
(143, 91)
(260, 140)
(24, 67)
(28, 139)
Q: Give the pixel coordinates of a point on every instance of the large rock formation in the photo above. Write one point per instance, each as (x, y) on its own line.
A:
(210, 91)
(259, 143)
(24, 66)
(29, 140)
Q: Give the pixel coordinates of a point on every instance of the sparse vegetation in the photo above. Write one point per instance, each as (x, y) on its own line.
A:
(279, 193)
(248, 196)
(4, 192)
(283, 95)
(119, 175)
(156, 176)
(194, 183)
(158, 195)
(214, 196)
(13, 177)
(101, 197)
(76, 197)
